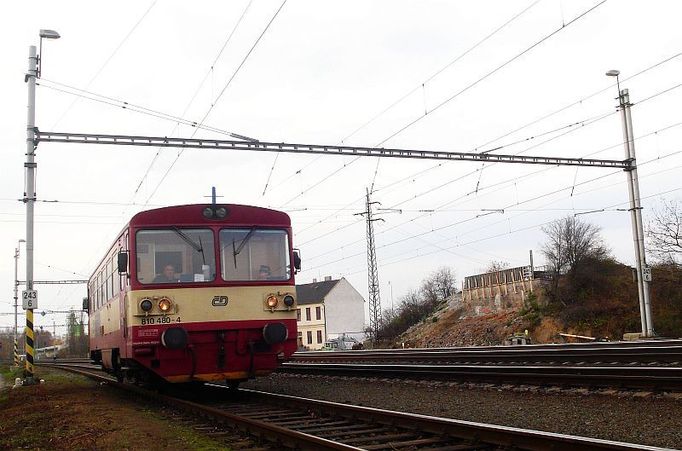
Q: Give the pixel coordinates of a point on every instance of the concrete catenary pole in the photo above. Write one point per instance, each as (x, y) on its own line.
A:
(29, 199)
(636, 216)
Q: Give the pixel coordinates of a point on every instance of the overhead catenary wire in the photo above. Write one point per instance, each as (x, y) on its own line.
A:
(540, 119)
(176, 119)
(441, 70)
(194, 96)
(461, 177)
(217, 99)
(508, 208)
(487, 75)
(547, 169)
(106, 62)
(422, 84)
(505, 208)
(478, 240)
(458, 93)
(117, 103)
(469, 243)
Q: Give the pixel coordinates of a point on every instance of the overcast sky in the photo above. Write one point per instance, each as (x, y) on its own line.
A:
(470, 76)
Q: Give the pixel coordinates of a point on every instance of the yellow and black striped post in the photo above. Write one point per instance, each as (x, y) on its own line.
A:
(16, 352)
(30, 337)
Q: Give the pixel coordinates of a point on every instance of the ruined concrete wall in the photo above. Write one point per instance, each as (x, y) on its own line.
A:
(492, 292)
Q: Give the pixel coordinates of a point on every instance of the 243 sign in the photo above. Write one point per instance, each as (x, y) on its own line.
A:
(29, 299)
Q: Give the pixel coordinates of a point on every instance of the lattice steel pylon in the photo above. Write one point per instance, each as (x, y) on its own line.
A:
(372, 271)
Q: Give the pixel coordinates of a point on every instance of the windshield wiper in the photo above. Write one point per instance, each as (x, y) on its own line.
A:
(237, 250)
(197, 247)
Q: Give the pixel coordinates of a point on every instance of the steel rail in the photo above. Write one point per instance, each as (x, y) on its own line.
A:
(503, 436)
(279, 424)
(670, 354)
(527, 348)
(655, 378)
(195, 143)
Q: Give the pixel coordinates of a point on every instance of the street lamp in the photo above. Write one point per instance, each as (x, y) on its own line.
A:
(16, 299)
(643, 270)
(30, 192)
(45, 34)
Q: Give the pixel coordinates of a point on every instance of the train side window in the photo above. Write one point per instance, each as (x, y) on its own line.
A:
(110, 279)
(99, 288)
(115, 275)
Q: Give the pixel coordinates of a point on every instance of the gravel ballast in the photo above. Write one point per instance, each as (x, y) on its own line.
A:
(635, 417)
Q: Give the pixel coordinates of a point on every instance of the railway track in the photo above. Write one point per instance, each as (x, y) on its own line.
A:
(651, 365)
(285, 421)
(645, 353)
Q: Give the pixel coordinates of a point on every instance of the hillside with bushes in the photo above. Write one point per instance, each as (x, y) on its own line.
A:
(587, 293)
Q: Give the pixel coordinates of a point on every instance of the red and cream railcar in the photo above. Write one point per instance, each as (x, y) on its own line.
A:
(196, 293)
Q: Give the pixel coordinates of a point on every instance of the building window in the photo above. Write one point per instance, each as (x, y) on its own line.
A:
(307, 314)
(318, 313)
(298, 314)
(319, 336)
(310, 336)
(300, 334)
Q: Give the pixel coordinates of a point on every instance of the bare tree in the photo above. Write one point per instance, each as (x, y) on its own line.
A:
(665, 232)
(496, 265)
(439, 285)
(571, 242)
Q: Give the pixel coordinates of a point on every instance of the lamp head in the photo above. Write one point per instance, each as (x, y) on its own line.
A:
(49, 34)
(613, 73)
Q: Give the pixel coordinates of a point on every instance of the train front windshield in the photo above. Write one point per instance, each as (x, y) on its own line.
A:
(254, 254)
(175, 256)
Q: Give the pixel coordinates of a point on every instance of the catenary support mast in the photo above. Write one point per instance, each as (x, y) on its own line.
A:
(643, 271)
(29, 199)
(372, 271)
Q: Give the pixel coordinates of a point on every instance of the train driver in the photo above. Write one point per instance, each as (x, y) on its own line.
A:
(264, 272)
(167, 276)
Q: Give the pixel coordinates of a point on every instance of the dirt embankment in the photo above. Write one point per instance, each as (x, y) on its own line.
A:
(452, 327)
(70, 412)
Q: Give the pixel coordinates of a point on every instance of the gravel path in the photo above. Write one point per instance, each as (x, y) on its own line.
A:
(635, 417)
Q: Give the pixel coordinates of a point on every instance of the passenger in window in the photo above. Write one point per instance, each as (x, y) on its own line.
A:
(168, 275)
(264, 272)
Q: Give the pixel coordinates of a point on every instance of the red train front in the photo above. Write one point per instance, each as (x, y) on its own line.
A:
(196, 293)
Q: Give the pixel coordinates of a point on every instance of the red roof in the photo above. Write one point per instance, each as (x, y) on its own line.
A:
(244, 215)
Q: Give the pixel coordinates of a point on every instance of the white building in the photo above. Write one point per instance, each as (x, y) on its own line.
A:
(329, 309)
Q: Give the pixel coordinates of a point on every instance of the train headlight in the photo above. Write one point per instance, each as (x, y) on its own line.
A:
(272, 301)
(288, 300)
(165, 304)
(146, 304)
(221, 212)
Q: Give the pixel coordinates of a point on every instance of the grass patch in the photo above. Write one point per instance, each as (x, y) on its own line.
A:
(70, 411)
